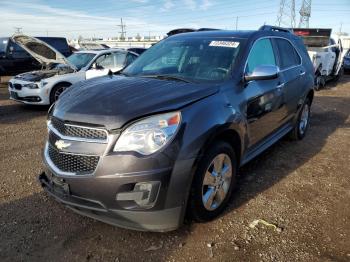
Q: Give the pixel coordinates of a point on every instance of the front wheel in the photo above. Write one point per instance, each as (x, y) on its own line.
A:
(213, 183)
(57, 91)
(302, 125)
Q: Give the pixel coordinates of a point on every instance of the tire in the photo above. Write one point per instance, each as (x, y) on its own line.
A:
(218, 187)
(339, 75)
(320, 82)
(302, 125)
(57, 91)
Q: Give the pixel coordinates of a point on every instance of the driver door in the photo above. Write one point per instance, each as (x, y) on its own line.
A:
(264, 97)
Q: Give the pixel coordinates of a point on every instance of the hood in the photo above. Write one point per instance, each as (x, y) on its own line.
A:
(112, 101)
(41, 51)
(35, 76)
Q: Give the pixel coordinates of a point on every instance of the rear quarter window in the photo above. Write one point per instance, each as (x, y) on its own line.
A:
(288, 55)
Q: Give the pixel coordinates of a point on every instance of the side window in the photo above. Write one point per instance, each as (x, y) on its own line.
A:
(130, 58)
(106, 61)
(16, 51)
(287, 53)
(260, 54)
(119, 59)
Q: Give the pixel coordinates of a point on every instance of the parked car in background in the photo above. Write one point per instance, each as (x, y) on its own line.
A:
(58, 72)
(347, 61)
(168, 133)
(138, 50)
(15, 60)
(325, 53)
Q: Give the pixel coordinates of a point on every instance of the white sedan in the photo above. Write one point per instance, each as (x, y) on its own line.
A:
(44, 87)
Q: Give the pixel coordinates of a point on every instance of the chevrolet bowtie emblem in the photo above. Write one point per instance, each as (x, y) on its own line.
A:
(60, 144)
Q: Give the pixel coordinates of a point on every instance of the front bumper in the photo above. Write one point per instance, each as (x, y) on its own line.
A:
(72, 193)
(38, 96)
(124, 189)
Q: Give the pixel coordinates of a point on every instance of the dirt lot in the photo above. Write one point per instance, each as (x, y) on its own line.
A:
(302, 187)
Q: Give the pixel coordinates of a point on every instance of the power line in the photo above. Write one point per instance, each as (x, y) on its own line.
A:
(122, 28)
(286, 13)
(18, 30)
(305, 13)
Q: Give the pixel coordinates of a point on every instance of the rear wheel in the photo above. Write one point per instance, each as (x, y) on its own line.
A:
(320, 82)
(339, 75)
(302, 125)
(213, 183)
(57, 91)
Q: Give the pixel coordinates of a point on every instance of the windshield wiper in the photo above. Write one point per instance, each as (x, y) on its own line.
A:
(168, 77)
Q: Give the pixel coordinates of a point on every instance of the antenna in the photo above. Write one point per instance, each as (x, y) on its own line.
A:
(122, 28)
(305, 13)
(286, 13)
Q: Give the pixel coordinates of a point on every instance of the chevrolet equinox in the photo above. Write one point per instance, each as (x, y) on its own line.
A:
(166, 136)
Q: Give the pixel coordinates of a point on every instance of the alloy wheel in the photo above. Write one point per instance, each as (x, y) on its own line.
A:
(304, 119)
(216, 182)
(58, 92)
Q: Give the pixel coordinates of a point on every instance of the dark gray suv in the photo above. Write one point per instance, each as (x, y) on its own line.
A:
(167, 135)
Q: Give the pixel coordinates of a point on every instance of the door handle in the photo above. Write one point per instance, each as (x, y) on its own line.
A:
(302, 73)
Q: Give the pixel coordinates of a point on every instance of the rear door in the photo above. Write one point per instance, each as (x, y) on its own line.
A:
(264, 97)
(292, 74)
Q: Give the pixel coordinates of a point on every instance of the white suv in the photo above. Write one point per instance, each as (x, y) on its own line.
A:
(43, 87)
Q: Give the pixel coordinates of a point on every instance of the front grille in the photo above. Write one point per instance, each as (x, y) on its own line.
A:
(77, 131)
(17, 86)
(78, 164)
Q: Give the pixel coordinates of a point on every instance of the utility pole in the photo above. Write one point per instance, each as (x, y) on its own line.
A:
(236, 22)
(122, 28)
(305, 13)
(18, 30)
(286, 13)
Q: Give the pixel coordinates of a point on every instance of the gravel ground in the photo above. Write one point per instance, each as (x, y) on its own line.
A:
(301, 187)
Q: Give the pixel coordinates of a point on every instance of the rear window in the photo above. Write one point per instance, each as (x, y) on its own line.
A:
(60, 44)
(287, 53)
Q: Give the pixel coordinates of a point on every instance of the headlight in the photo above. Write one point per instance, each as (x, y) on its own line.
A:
(150, 134)
(31, 86)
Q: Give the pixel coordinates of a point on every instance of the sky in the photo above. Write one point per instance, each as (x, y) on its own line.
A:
(100, 18)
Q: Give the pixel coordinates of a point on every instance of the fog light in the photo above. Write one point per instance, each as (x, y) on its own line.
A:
(144, 194)
(152, 189)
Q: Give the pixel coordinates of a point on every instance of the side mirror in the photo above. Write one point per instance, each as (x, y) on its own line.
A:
(263, 72)
(97, 66)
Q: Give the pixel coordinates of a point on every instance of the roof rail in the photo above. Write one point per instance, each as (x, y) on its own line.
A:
(275, 28)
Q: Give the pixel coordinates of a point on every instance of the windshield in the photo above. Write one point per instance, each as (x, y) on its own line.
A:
(80, 60)
(195, 59)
